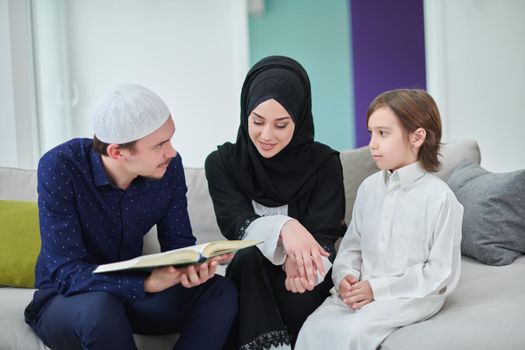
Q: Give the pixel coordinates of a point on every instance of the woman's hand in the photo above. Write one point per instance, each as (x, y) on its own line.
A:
(293, 282)
(303, 250)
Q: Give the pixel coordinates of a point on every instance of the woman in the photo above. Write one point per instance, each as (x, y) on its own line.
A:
(277, 185)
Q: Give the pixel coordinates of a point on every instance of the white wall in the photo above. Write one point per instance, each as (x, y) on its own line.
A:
(476, 72)
(8, 156)
(194, 54)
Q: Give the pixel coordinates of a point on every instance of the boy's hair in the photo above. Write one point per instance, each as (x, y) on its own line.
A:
(415, 109)
(102, 147)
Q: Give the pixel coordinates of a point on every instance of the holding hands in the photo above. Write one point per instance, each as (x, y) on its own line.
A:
(294, 282)
(162, 278)
(303, 257)
(355, 294)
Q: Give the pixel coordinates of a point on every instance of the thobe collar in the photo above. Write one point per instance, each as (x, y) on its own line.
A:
(404, 176)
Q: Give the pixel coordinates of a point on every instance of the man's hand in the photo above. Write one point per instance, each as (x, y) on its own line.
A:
(162, 278)
(224, 259)
(358, 295)
(303, 250)
(293, 282)
(198, 274)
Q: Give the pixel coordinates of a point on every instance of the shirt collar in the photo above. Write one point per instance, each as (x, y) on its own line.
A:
(405, 175)
(101, 178)
(99, 174)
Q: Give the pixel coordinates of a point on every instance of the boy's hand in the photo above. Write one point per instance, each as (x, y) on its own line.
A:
(346, 286)
(359, 295)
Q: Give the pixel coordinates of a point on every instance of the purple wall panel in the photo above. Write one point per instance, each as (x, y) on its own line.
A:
(388, 46)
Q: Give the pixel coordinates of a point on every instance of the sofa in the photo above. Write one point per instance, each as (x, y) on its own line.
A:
(486, 311)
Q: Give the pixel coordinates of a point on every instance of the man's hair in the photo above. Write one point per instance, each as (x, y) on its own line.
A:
(415, 109)
(102, 147)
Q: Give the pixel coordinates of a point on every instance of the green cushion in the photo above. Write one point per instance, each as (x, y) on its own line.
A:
(19, 243)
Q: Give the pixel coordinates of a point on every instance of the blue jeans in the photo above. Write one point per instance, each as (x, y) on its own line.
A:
(98, 320)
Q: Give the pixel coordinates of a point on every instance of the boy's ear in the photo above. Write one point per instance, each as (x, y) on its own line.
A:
(114, 151)
(418, 137)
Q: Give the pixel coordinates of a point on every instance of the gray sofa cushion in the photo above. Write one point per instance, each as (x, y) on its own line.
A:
(357, 164)
(16, 334)
(452, 153)
(494, 216)
(200, 206)
(486, 311)
(18, 184)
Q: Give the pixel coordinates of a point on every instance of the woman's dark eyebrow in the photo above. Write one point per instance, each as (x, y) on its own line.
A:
(277, 119)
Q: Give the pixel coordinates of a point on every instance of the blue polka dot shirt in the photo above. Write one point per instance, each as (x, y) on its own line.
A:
(85, 221)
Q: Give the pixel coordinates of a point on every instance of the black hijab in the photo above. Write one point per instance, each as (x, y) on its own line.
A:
(278, 180)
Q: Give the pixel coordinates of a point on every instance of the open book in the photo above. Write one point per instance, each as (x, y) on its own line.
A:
(178, 257)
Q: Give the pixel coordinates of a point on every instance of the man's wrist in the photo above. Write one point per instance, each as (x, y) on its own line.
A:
(150, 286)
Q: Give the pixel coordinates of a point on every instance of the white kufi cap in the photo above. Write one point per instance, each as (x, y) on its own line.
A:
(129, 113)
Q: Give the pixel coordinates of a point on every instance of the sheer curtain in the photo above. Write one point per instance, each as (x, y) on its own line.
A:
(54, 87)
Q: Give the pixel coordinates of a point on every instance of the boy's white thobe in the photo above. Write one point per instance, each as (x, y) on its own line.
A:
(404, 239)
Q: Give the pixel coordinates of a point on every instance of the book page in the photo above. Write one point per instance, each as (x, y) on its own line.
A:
(215, 248)
(178, 257)
(181, 256)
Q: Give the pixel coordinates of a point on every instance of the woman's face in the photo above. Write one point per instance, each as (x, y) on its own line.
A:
(270, 128)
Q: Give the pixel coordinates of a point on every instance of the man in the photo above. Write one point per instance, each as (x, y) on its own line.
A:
(97, 199)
